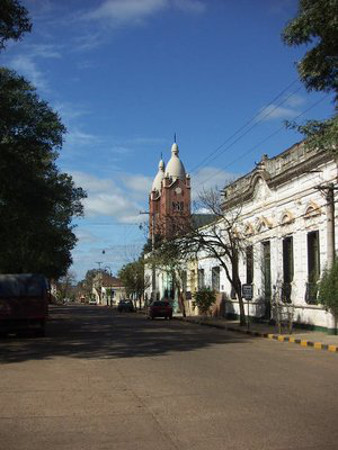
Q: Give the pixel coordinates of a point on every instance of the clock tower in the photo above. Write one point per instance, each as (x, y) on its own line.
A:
(169, 200)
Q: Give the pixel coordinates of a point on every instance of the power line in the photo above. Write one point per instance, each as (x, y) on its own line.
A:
(263, 141)
(109, 224)
(318, 208)
(253, 119)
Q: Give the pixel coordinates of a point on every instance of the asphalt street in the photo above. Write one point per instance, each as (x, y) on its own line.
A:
(103, 380)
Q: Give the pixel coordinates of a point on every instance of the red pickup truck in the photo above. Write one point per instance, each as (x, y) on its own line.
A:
(23, 303)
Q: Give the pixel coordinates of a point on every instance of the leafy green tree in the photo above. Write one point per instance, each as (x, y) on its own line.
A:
(37, 201)
(204, 299)
(85, 286)
(316, 25)
(328, 289)
(14, 21)
(219, 240)
(132, 277)
(66, 287)
(169, 260)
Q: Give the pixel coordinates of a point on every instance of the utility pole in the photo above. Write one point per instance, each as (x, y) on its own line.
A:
(153, 270)
(328, 191)
(99, 280)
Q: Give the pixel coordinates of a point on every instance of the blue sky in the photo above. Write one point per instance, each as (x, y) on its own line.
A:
(125, 75)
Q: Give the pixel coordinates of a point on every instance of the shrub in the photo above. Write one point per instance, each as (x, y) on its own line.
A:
(328, 289)
(204, 299)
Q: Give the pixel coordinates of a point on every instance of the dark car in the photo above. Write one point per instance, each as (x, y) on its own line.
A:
(160, 308)
(125, 306)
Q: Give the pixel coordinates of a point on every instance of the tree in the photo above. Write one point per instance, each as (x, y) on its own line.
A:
(168, 258)
(328, 289)
(220, 240)
(14, 21)
(132, 277)
(316, 23)
(37, 201)
(66, 287)
(204, 299)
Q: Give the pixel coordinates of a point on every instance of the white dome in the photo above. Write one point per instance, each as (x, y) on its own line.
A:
(156, 186)
(175, 167)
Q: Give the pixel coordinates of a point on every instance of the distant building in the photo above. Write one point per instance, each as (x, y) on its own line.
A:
(169, 199)
(169, 211)
(107, 290)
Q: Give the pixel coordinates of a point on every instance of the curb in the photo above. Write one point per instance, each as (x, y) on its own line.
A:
(276, 337)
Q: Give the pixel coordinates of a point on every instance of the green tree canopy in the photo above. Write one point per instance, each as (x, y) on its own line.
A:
(14, 21)
(132, 277)
(37, 201)
(316, 25)
(328, 289)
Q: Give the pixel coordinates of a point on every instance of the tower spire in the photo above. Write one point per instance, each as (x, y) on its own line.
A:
(175, 138)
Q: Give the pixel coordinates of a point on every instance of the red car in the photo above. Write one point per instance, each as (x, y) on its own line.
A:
(160, 309)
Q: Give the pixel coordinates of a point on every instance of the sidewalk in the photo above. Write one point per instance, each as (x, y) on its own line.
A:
(306, 338)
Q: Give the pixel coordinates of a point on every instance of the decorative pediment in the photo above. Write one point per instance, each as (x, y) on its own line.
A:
(287, 218)
(312, 210)
(263, 224)
(260, 189)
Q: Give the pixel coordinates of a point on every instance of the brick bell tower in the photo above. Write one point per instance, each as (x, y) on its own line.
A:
(169, 200)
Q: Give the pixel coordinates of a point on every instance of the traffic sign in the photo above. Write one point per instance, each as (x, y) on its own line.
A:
(247, 291)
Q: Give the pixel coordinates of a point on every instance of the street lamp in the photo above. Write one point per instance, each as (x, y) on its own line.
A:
(153, 275)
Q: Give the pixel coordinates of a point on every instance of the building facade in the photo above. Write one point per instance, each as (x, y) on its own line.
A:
(169, 199)
(169, 209)
(286, 213)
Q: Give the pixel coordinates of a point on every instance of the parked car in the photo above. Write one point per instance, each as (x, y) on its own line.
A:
(160, 308)
(23, 303)
(92, 301)
(125, 306)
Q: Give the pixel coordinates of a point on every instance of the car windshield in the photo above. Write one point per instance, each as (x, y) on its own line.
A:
(22, 285)
(160, 304)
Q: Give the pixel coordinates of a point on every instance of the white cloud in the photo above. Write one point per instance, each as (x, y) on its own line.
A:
(121, 11)
(88, 41)
(295, 100)
(92, 183)
(76, 137)
(85, 235)
(69, 112)
(210, 178)
(107, 198)
(25, 65)
(288, 111)
(26, 62)
(272, 112)
(139, 184)
(137, 11)
(44, 51)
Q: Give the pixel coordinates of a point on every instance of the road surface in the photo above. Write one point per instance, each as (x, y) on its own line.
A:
(103, 380)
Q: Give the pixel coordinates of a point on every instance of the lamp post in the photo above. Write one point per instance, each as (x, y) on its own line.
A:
(110, 293)
(99, 281)
(153, 271)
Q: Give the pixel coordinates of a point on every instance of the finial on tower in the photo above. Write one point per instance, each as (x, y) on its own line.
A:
(175, 138)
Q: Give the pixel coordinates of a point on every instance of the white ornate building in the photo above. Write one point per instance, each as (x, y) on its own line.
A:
(286, 211)
(286, 208)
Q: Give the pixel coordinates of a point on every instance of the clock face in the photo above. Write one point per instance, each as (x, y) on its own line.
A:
(178, 190)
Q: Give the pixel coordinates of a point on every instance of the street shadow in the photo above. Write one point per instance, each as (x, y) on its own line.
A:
(102, 333)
